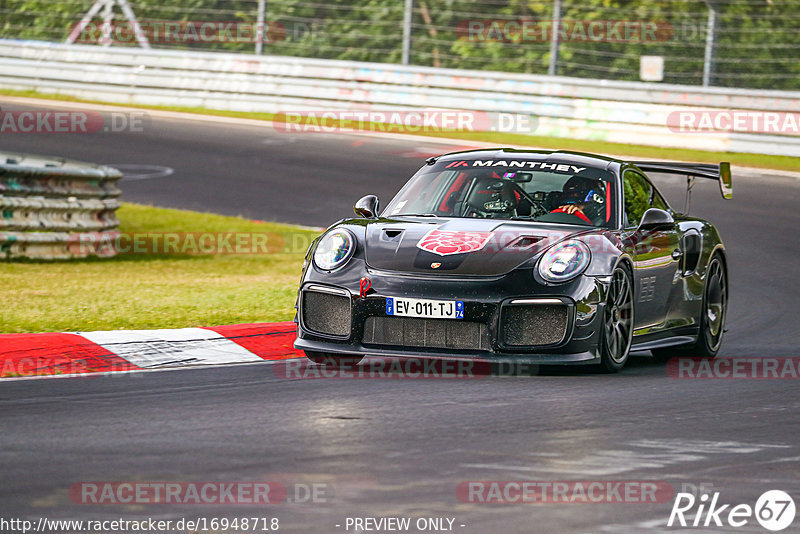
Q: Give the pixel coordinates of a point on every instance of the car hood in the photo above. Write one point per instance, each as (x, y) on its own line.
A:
(469, 247)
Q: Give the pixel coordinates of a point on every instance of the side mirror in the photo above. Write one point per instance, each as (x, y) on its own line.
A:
(367, 207)
(655, 218)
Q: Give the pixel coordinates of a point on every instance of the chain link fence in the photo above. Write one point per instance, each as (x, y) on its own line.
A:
(725, 43)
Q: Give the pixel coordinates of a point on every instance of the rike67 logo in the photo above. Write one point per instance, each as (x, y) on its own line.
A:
(774, 510)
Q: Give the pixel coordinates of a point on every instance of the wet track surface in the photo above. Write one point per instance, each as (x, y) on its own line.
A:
(401, 447)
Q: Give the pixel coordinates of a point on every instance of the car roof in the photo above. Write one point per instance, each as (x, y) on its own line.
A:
(560, 156)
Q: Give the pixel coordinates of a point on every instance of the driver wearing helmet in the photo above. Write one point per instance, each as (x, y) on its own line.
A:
(584, 198)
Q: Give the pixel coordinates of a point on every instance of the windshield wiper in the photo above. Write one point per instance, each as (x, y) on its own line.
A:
(415, 215)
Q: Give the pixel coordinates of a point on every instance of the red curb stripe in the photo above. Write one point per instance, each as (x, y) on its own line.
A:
(45, 354)
(54, 354)
(271, 341)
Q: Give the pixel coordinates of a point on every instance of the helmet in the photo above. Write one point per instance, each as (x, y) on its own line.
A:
(580, 189)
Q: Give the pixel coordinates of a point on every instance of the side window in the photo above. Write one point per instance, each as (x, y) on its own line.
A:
(637, 197)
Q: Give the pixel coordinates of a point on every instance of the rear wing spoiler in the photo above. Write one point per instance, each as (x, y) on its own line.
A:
(721, 172)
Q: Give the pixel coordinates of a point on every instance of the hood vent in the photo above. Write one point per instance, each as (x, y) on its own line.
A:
(524, 242)
(392, 234)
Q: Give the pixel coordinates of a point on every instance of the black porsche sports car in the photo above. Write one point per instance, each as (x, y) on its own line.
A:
(519, 256)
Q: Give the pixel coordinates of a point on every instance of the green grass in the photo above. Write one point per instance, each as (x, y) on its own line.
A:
(787, 163)
(138, 291)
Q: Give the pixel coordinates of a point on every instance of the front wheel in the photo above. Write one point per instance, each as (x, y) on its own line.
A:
(329, 359)
(615, 341)
(712, 317)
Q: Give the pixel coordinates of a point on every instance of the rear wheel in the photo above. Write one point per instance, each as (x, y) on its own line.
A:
(329, 359)
(712, 318)
(615, 343)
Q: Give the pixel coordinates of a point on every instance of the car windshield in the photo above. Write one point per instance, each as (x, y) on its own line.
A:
(509, 189)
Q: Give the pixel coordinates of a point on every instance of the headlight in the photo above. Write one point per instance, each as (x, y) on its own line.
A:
(334, 249)
(564, 261)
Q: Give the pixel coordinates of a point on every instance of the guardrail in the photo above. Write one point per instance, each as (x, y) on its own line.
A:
(56, 209)
(570, 108)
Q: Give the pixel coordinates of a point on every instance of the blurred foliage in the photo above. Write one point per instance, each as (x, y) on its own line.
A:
(637, 197)
(756, 39)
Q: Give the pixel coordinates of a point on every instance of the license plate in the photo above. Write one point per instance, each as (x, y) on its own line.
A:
(430, 309)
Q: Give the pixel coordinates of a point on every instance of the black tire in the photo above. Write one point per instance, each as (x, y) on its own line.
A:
(334, 360)
(617, 328)
(712, 317)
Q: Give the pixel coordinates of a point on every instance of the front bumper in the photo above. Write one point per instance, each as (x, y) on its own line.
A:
(485, 303)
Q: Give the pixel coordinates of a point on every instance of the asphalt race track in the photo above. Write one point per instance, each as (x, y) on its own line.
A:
(401, 447)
